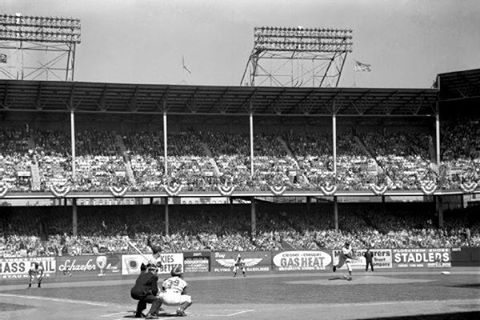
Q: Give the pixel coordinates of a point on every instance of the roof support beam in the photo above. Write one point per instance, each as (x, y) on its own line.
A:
(101, 103)
(161, 104)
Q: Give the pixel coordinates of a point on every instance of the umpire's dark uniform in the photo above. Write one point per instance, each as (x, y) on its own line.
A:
(368, 259)
(145, 291)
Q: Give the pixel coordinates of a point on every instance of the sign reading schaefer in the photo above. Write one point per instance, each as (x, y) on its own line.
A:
(84, 266)
(422, 258)
(131, 262)
(254, 261)
(382, 258)
(17, 268)
(301, 260)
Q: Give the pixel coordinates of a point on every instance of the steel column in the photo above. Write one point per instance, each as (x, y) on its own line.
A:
(334, 134)
(72, 135)
(74, 217)
(165, 142)
(251, 145)
(166, 217)
(335, 212)
(253, 216)
(437, 135)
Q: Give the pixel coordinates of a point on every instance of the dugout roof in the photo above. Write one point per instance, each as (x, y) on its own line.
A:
(90, 97)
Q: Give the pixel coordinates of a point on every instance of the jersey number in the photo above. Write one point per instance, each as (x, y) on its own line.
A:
(171, 283)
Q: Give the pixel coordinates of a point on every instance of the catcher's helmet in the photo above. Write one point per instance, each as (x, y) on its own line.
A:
(176, 271)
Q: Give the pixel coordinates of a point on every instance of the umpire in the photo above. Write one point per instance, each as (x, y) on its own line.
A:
(368, 259)
(145, 291)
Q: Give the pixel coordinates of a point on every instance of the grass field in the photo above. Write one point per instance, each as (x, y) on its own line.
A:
(395, 295)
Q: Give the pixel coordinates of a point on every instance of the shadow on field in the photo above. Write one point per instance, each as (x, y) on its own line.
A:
(444, 316)
(470, 285)
(339, 278)
(12, 307)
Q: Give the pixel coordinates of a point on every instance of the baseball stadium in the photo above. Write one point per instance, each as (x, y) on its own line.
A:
(288, 196)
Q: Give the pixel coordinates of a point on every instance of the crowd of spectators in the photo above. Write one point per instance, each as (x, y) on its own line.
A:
(44, 232)
(400, 158)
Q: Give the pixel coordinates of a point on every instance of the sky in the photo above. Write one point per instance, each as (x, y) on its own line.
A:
(406, 42)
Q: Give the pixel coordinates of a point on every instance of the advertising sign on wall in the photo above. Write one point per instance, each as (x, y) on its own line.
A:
(301, 260)
(254, 261)
(196, 261)
(382, 258)
(17, 268)
(422, 258)
(131, 262)
(78, 266)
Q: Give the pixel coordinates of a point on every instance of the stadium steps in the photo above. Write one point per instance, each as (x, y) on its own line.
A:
(212, 161)
(34, 169)
(294, 157)
(35, 172)
(126, 158)
(371, 153)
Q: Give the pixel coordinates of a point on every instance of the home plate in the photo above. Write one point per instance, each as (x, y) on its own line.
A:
(359, 280)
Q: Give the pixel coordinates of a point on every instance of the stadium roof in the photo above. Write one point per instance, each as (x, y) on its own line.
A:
(89, 97)
(459, 85)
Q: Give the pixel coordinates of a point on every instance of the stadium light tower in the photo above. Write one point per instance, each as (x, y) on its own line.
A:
(38, 48)
(297, 57)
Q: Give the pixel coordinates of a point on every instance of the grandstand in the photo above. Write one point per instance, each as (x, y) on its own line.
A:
(76, 143)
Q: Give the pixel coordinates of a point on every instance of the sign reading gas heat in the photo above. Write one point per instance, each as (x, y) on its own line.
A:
(302, 260)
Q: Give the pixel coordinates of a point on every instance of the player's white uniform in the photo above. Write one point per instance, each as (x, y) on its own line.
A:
(36, 272)
(172, 296)
(239, 265)
(344, 258)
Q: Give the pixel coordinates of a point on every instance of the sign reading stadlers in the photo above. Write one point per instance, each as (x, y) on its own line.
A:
(301, 260)
(420, 258)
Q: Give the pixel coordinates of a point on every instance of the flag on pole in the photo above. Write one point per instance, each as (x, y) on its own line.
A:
(3, 58)
(362, 67)
(184, 66)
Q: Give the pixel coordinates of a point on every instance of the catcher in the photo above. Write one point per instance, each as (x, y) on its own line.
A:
(174, 291)
(346, 257)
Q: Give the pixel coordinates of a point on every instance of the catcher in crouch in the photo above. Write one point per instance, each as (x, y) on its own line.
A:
(174, 291)
(345, 257)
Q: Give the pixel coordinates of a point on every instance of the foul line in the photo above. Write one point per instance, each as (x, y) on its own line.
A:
(230, 314)
(239, 312)
(90, 303)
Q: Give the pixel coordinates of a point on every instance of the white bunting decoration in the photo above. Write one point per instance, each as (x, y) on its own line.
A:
(173, 191)
(118, 191)
(60, 191)
(328, 190)
(277, 190)
(379, 191)
(469, 187)
(428, 187)
(3, 191)
(226, 190)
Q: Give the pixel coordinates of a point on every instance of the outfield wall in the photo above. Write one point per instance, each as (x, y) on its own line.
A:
(118, 266)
